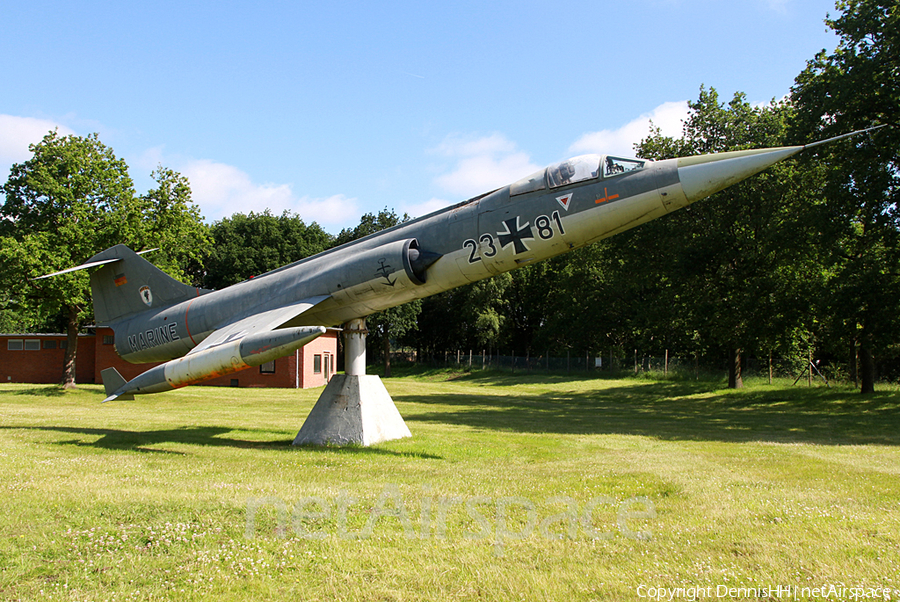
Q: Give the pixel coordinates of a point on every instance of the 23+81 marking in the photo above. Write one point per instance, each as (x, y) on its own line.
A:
(544, 227)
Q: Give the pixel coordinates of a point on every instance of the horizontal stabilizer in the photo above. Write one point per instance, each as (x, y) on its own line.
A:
(90, 264)
(112, 382)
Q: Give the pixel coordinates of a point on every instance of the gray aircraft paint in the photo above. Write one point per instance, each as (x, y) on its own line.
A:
(156, 318)
(473, 239)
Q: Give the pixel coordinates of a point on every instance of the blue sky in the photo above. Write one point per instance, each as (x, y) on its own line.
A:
(334, 109)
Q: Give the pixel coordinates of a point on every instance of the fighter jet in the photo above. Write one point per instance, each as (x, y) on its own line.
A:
(201, 334)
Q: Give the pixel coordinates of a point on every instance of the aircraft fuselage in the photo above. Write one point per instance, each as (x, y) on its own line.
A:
(498, 232)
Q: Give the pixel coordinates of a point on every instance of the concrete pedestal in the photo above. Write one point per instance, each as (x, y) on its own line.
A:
(354, 407)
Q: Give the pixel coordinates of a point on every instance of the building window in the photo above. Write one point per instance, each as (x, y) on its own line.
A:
(32, 344)
(14, 345)
(49, 344)
(317, 364)
(64, 344)
(109, 340)
(267, 368)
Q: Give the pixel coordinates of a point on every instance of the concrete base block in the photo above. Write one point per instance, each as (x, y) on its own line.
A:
(353, 409)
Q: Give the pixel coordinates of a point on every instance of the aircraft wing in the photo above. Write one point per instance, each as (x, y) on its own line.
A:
(256, 323)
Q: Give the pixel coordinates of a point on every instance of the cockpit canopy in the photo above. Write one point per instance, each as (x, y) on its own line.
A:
(574, 170)
(577, 169)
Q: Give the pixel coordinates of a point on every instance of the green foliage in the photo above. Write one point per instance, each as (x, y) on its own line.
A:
(370, 223)
(172, 222)
(852, 88)
(737, 264)
(71, 200)
(245, 246)
(469, 317)
(738, 271)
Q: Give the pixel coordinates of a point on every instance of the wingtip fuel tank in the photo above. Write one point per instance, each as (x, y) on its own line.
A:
(227, 358)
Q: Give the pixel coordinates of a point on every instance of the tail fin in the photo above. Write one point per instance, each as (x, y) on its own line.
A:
(129, 284)
(112, 382)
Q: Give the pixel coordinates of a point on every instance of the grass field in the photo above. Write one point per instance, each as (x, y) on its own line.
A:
(513, 487)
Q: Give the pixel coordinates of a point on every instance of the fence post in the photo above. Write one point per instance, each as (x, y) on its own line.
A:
(666, 368)
(809, 368)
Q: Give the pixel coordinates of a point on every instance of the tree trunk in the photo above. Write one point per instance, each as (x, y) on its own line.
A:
(866, 370)
(387, 357)
(68, 375)
(735, 380)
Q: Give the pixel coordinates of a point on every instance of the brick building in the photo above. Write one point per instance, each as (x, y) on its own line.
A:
(38, 358)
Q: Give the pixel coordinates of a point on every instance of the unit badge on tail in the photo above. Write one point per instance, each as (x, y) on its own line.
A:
(146, 295)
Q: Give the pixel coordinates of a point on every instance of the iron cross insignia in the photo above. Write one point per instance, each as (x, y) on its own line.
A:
(516, 235)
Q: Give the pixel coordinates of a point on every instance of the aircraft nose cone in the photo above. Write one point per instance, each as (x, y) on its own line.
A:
(704, 175)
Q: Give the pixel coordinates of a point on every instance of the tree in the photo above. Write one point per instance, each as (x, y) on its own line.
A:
(72, 199)
(852, 88)
(172, 222)
(741, 269)
(370, 223)
(468, 317)
(253, 244)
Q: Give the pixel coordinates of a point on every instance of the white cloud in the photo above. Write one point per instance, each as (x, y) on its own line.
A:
(424, 208)
(222, 190)
(219, 189)
(778, 6)
(667, 116)
(479, 164)
(482, 164)
(16, 133)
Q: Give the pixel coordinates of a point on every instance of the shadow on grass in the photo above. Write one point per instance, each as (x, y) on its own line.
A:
(495, 377)
(680, 410)
(47, 391)
(140, 441)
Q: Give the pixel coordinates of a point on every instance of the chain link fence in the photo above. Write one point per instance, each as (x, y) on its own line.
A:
(616, 362)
